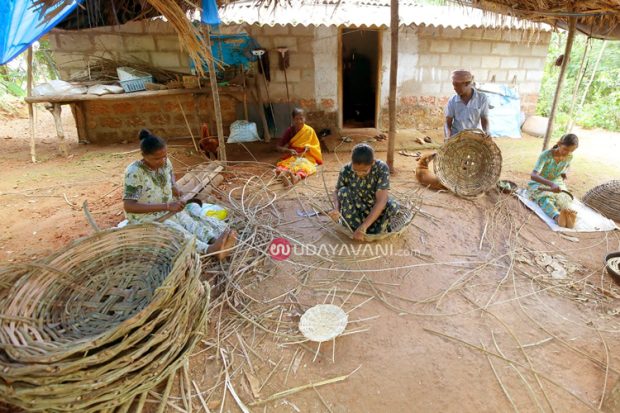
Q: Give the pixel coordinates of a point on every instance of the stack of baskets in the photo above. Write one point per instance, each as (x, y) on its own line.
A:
(101, 322)
(605, 198)
(469, 164)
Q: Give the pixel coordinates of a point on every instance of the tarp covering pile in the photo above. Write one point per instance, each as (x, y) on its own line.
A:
(100, 323)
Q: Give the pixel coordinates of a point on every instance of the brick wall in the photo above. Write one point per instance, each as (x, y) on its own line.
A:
(110, 121)
(154, 42)
(427, 55)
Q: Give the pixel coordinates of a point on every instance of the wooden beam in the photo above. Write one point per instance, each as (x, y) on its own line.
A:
(216, 97)
(228, 90)
(558, 90)
(393, 73)
(33, 152)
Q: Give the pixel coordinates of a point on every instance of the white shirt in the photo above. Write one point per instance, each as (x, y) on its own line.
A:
(467, 116)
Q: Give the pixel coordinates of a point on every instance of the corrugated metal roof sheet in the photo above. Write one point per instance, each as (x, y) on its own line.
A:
(362, 13)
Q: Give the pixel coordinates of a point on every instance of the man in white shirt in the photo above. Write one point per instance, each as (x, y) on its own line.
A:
(468, 109)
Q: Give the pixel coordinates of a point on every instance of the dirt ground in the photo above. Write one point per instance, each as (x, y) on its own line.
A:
(467, 320)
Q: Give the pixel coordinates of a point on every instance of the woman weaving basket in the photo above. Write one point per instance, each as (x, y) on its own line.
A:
(362, 198)
(302, 148)
(150, 192)
(548, 180)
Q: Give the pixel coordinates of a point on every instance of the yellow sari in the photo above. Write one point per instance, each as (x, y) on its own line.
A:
(303, 164)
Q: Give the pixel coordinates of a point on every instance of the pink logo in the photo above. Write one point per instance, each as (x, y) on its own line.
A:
(280, 249)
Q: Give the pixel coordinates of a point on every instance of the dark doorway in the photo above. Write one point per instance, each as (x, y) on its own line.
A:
(360, 64)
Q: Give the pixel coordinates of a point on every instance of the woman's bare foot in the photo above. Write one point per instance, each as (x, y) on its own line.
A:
(222, 247)
(295, 178)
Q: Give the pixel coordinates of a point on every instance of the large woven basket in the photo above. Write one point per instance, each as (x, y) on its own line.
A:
(468, 164)
(398, 224)
(605, 198)
(100, 322)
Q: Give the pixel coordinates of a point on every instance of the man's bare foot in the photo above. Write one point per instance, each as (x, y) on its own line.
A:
(222, 247)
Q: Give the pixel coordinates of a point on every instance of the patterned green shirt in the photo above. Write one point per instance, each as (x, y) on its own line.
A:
(365, 189)
(147, 186)
(549, 169)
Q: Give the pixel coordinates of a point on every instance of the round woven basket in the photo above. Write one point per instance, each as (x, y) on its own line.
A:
(605, 198)
(468, 164)
(612, 264)
(101, 321)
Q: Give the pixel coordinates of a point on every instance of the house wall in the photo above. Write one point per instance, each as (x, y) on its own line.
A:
(427, 56)
(154, 42)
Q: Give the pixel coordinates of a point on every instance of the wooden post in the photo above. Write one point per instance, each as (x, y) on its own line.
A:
(556, 99)
(261, 109)
(393, 73)
(216, 98)
(56, 111)
(33, 153)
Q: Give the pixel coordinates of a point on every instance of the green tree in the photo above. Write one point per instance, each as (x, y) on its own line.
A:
(602, 104)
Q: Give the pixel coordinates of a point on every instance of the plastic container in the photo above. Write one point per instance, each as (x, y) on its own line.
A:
(133, 80)
(214, 211)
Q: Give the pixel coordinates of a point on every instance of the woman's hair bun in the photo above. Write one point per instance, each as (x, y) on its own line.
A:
(144, 133)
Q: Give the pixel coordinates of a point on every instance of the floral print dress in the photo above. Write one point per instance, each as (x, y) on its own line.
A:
(357, 197)
(149, 186)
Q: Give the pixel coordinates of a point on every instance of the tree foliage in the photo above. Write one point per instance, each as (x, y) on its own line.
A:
(601, 107)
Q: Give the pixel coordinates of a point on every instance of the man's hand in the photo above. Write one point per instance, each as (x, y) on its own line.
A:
(359, 233)
(334, 214)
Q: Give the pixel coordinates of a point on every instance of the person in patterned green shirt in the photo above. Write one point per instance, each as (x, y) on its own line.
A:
(362, 198)
(150, 192)
(549, 176)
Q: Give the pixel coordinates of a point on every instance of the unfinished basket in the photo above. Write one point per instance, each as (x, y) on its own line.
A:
(469, 163)
(605, 198)
(399, 223)
(100, 322)
(323, 322)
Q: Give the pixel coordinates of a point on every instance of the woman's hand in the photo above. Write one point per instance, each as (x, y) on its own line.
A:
(334, 215)
(175, 206)
(555, 188)
(177, 192)
(359, 233)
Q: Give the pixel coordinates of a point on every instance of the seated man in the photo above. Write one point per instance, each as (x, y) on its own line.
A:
(362, 194)
(468, 109)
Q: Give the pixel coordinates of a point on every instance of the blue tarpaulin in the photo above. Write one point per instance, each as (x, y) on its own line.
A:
(209, 12)
(21, 24)
(231, 50)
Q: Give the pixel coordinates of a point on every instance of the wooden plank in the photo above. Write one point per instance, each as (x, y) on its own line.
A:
(232, 91)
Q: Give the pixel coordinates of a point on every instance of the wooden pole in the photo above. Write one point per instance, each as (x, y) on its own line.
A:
(261, 108)
(556, 98)
(216, 98)
(393, 73)
(33, 153)
(594, 70)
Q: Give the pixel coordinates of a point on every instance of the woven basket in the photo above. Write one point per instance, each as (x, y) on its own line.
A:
(605, 198)
(101, 321)
(469, 163)
(399, 223)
